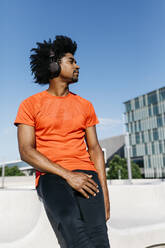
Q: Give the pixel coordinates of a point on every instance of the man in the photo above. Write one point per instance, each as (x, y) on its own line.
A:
(55, 129)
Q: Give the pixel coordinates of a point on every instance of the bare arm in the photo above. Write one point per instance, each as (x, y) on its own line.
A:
(97, 157)
(29, 154)
(26, 140)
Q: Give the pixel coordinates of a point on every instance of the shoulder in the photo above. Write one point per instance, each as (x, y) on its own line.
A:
(33, 100)
(81, 100)
(32, 103)
(87, 109)
(28, 109)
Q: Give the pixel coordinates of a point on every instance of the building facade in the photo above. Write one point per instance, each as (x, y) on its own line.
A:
(111, 146)
(145, 124)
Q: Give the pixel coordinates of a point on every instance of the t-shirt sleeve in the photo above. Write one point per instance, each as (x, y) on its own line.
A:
(91, 119)
(25, 114)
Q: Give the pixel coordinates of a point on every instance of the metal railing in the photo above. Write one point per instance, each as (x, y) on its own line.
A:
(2, 165)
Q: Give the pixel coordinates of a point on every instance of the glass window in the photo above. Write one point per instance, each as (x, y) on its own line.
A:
(132, 116)
(131, 127)
(128, 106)
(149, 135)
(149, 162)
(130, 140)
(162, 94)
(149, 111)
(137, 137)
(146, 149)
(164, 160)
(126, 127)
(144, 101)
(155, 134)
(128, 117)
(155, 109)
(153, 148)
(134, 150)
(143, 140)
(139, 122)
(159, 121)
(152, 98)
(160, 147)
(137, 106)
(136, 127)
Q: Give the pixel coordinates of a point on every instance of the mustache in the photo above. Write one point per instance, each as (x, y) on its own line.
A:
(77, 71)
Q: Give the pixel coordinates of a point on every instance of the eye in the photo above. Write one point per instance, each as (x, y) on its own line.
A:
(71, 61)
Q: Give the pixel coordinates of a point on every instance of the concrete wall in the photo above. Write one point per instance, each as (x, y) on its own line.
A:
(137, 217)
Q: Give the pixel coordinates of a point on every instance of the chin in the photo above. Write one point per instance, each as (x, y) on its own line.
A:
(73, 80)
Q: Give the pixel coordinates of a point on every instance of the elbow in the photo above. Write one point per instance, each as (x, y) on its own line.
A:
(25, 153)
(22, 156)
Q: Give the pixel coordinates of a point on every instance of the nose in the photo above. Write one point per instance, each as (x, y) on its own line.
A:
(77, 66)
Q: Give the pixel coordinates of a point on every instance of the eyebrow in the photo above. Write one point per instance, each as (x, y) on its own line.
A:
(72, 59)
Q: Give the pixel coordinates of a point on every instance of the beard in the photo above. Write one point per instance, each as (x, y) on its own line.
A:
(74, 79)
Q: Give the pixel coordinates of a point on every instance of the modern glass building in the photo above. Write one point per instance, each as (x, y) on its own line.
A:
(145, 123)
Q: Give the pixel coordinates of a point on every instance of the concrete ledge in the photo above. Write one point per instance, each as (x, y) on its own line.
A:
(24, 222)
(137, 215)
(137, 218)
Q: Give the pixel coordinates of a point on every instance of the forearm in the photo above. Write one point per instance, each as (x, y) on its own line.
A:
(41, 163)
(96, 155)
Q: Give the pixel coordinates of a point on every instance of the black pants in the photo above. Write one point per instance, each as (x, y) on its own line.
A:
(77, 222)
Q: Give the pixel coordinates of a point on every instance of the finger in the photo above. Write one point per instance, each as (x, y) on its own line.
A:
(84, 193)
(90, 176)
(86, 188)
(91, 186)
(93, 182)
(107, 217)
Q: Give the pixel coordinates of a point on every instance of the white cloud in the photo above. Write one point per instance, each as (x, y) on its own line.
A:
(108, 122)
(109, 127)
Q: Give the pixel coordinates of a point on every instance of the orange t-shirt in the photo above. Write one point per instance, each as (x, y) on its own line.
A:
(60, 124)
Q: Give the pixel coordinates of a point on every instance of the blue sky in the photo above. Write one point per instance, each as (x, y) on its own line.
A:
(121, 52)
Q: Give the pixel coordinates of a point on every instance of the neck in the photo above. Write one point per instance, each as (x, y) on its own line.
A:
(57, 88)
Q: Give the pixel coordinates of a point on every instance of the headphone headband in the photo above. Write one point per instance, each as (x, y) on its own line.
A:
(52, 56)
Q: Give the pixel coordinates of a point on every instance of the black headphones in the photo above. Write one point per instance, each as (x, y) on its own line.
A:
(54, 66)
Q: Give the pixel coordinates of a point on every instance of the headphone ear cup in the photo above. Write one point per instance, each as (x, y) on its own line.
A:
(54, 69)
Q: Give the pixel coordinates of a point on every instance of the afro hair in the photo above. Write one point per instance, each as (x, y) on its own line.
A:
(40, 59)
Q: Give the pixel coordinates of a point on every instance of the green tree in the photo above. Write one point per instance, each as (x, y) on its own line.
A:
(12, 171)
(120, 164)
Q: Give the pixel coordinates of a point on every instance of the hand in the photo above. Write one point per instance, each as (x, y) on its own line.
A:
(83, 183)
